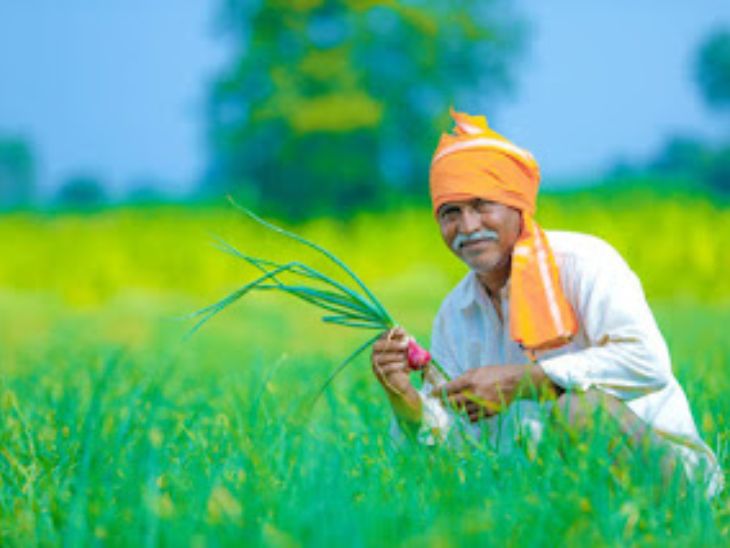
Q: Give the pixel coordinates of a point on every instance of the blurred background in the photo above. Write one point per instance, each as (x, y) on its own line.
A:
(125, 124)
(126, 101)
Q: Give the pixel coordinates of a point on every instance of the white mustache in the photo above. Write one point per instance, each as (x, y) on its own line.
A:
(484, 234)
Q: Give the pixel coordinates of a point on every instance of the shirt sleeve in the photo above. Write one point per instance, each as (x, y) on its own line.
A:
(625, 353)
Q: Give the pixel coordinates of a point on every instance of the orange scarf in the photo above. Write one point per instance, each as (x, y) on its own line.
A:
(477, 162)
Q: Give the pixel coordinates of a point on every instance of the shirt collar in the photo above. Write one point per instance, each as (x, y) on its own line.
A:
(473, 292)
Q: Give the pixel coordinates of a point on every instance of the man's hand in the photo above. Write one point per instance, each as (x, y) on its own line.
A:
(390, 366)
(485, 391)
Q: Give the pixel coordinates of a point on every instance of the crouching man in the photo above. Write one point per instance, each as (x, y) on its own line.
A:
(538, 313)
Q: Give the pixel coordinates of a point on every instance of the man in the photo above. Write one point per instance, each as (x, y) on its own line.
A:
(538, 313)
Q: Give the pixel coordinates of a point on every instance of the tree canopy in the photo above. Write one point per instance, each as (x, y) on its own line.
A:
(325, 103)
(17, 173)
(713, 68)
(81, 191)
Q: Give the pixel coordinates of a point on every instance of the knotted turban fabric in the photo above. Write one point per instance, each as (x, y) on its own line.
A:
(477, 162)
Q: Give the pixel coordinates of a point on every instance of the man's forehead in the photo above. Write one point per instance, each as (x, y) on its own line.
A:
(462, 202)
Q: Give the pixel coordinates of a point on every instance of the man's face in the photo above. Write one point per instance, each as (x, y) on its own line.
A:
(480, 232)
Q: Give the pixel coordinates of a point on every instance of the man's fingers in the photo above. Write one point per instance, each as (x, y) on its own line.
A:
(384, 358)
(396, 334)
(390, 343)
(389, 368)
(468, 403)
(471, 408)
(385, 370)
(457, 401)
(453, 387)
(477, 416)
(478, 411)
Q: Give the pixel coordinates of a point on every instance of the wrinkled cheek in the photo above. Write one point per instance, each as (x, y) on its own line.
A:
(447, 240)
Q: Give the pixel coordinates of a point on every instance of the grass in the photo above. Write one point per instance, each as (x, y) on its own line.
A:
(115, 430)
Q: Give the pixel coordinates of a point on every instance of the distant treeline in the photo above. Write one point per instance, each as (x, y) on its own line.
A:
(328, 108)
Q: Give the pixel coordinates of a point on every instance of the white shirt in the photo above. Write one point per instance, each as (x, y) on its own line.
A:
(618, 349)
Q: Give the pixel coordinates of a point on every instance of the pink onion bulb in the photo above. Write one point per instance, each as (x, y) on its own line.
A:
(418, 357)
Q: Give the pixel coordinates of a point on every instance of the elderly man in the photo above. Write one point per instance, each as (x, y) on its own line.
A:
(539, 312)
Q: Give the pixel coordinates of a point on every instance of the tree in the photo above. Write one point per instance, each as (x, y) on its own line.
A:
(81, 192)
(326, 101)
(718, 173)
(713, 69)
(17, 173)
(682, 156)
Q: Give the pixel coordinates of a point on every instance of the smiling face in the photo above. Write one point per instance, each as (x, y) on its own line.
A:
(481, 233)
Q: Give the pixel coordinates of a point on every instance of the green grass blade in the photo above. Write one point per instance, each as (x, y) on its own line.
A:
(360, 314)
(334, 299)
(295, 268)
(261, 264)
(440, 369)
(318, 248)
(301, 269)
(342, 366)
(346, 321)
(209, 311)
(349, 312)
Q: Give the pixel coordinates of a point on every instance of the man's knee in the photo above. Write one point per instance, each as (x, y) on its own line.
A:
(595, 410)
(579, 409)
(595, 417)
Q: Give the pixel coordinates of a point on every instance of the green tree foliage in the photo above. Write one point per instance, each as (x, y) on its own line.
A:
(682, 156)
(17, 173)
(718, 173)
(327, 102)
(713, 69)
(692, 159)
(81, 192)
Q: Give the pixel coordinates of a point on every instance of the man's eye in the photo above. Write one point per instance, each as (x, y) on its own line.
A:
(449, 212)
(483, 205)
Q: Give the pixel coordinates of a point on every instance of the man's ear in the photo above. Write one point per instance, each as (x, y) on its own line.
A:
(522, 220)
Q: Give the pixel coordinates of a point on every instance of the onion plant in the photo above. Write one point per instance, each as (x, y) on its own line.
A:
(352, 305)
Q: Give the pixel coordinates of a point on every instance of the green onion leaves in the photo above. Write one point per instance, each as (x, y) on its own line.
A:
(349, 306)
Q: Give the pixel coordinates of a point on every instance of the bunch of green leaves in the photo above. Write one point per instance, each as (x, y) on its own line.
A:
(345, 305)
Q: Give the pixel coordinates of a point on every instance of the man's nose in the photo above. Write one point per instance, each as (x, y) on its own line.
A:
(470, 221)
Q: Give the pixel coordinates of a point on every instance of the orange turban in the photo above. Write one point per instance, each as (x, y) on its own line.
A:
(477, 162)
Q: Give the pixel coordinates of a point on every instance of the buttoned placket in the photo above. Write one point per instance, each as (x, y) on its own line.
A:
(504, 322)
(502, 319)
(492, 321)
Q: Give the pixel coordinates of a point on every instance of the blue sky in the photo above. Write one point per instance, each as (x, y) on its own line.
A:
(117, 88)
(610, 80)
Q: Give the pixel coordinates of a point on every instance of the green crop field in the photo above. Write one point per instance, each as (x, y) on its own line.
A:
(116, 429)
